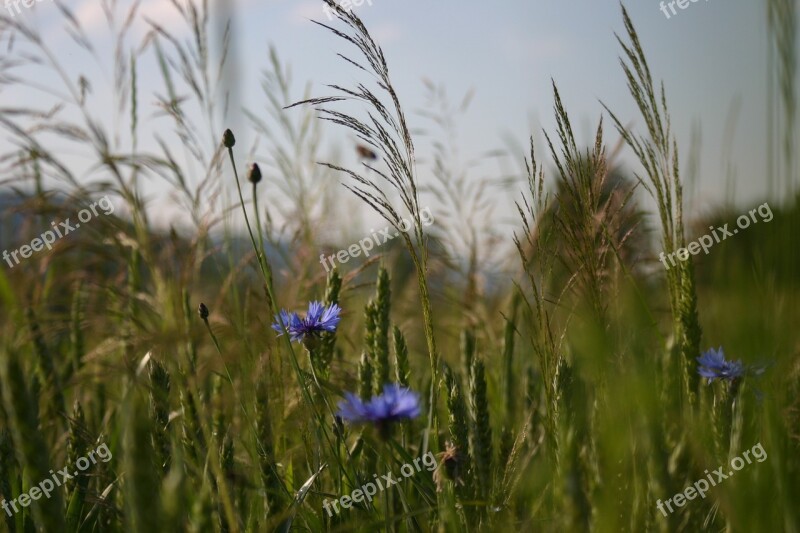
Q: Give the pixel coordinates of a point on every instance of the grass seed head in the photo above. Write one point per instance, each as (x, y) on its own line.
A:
(228, 140)
(254, 173)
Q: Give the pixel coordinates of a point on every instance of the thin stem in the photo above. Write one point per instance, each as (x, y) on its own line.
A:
(267, 274)
(261, 261)
(258, 220)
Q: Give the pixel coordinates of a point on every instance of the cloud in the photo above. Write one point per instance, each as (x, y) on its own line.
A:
(92, 17)
(385, 33)
(302, 12)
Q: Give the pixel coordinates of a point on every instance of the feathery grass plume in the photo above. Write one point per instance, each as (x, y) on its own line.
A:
(658, 153)
(32, 451)
(141, 482)
(295, 143)
(482, 452)
(48, 374)
(590, 221)
(387, 133)
(538, 243)
(402, 370)
(458, 425)
(462, 199)
(584, 216)
(159, 411)
(381, 334)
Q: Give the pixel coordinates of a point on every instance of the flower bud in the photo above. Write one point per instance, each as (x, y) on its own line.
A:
(203, 311)
(254, 174)
(228, 140)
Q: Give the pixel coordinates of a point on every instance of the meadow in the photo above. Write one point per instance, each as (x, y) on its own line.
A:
(233, 383)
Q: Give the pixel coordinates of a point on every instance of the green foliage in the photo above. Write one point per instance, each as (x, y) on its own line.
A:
(33, 454)
(383, 299)
(402, 370)
(481, 442)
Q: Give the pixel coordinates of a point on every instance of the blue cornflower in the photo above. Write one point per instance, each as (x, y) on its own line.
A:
(319, 319)
(714, 366)
(395, 404)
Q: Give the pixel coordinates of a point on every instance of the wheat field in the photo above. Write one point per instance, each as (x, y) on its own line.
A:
(628, 369)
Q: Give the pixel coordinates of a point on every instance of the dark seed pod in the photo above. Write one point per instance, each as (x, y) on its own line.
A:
(254, 174)
(228, 140)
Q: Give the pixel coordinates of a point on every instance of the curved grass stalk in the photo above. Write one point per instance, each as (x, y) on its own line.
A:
(386, 132)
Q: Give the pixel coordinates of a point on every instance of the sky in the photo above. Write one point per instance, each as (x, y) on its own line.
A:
(711, 56)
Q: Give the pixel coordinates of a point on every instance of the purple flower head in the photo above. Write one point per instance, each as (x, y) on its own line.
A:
(395, 404)
(714, 366)
(318, 320)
